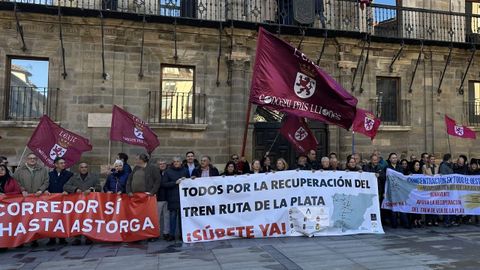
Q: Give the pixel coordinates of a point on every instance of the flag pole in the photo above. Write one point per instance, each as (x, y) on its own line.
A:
(276, 138)
(353, 142)
(449, 147)
(21, 157)
(245, 131)
(109, 152)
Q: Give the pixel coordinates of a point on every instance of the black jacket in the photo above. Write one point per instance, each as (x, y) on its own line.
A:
(56, 182)
(161, 193)
(460, 169)
(314, 165)
(185, 165)
(197, 172)
(169, 180)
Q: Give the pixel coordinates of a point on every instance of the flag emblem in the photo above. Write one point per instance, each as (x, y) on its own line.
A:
(304, 86)
(300, 134)
(369, 123)
(57, 151)
(459, 130)
(138, 132)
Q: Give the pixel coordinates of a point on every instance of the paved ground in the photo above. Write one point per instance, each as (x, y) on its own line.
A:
(429, 248)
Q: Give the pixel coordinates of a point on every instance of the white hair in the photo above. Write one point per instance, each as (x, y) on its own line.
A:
(118, 162)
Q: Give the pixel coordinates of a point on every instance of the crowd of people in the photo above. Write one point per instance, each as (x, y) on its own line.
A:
(161, 178)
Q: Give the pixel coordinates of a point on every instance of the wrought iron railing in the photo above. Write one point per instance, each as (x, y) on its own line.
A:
(30, 103)
(472, 111)
(342, 15)
(392, 112)
(178, 108)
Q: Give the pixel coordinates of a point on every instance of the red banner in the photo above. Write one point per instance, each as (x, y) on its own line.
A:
(130, 129)
(458, 130)
(366, 123)
(284, 79)
(50, 141)
(297, 132)
(99, 216)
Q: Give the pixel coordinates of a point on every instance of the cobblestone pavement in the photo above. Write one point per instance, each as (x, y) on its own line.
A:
(428, 248)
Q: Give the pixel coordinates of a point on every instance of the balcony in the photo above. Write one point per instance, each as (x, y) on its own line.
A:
(176, 108)
(472, 111)
(342, 16)
(31, 103)
(392, 112)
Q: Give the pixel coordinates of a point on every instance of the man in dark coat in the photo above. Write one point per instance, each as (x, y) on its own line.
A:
(83, 182)
(312, 160)
(190, 162)
(170, 180)
(57, 178)
(162, 204)
(205, 169)
(144, 177)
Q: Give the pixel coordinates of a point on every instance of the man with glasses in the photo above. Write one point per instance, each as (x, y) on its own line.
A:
(32, 178)
(241, 164)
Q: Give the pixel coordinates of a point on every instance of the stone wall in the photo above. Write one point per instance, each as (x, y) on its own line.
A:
(85, 92)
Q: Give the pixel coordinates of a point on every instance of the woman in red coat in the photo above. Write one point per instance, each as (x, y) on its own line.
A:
(8, 185)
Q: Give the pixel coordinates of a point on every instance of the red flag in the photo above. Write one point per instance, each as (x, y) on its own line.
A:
(458, 130)
(366, 123)
(50, 141)
(284, 79)
(296, 131)
(130, 129)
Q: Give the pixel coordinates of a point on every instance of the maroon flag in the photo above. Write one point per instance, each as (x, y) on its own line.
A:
(296, 131)
(458, 130)
(284, 79)
(130, 129)
(366, 123)
(50, 141)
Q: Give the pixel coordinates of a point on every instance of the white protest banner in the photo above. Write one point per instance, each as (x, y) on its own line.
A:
(289, 203)
(452, 194)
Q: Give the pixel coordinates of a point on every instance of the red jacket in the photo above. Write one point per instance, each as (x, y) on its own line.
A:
(12, 187)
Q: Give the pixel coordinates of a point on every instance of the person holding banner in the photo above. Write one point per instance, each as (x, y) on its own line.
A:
(351, 164)
(190, 162)
(117, 179)
(205, 169)
(32, 178)
(230, 169)
(171, 179)
(8, 185)
(281, 165)
(312, 159)
(324, 164)
(265, 162)
(302, 163)
(256, 166)
(393, 165)
(83, 182)
(124, 158)
(162, 204)
(144, 177)
(56, 182)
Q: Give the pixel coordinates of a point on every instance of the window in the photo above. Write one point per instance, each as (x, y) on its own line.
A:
(473, 103)
(179, 8)
(177, 93)
(27, 94)
(387, 100)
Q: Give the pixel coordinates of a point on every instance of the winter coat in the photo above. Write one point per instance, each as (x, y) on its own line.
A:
(162, 191)
(11, 187)
(57, 181)
(76, 182)
(195, 163)
(32, 181)
(153, 179)
(212, 171)
(445, 168)
(169, 180)
(116, 181)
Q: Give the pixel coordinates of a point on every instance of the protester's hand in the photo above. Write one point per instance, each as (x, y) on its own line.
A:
(313, 170)
(377, 175)
(86, 192)
(109, 192)
(65, 193)
(149, 194)
(78, 190)
(360, 171)
(243, 159)
(130, 194)
(179, 181)
(297, 170)
(1, 194)
(193, 177)
(119, 193)
(24, 193)
(38, 193)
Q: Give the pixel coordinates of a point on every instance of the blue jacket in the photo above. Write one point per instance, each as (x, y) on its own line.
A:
(116, 181)
(56, 181)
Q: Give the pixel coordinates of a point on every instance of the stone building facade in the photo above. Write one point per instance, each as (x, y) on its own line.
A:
(221, 60)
